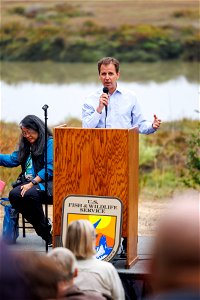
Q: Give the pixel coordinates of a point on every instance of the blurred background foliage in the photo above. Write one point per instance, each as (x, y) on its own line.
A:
(169, 160)
(84, 31)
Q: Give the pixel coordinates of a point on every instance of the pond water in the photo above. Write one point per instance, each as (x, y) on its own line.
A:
(169, 90)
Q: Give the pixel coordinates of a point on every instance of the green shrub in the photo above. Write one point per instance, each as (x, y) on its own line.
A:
(159, 183)
(193, 162)
(91, 28)
(186, 13)
(191, 48)
(147, 154)
(18, 10)
(129, 43)
(11, 29)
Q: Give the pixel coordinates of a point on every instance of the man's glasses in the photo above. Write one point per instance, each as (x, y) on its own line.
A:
(28, 132)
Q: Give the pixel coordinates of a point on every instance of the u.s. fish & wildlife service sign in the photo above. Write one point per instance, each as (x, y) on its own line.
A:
(105, 213)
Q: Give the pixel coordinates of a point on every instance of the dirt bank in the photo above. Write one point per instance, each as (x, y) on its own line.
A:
(150, 211)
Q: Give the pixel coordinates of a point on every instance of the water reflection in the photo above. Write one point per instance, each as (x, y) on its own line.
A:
(61, 73)
(168, 89)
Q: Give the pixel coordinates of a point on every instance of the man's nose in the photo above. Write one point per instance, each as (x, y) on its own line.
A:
(107, 76)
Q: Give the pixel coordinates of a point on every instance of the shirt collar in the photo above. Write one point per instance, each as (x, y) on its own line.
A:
(119, 88)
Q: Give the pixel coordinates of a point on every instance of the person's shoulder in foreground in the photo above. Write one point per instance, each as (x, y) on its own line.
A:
(175, 264)
(74, 293)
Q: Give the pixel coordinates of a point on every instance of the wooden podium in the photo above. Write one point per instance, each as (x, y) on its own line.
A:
(101, 162)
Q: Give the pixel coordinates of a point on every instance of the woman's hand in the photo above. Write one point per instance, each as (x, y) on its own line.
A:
(25, 188)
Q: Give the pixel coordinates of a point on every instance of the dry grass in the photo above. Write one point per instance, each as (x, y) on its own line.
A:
(115, 13)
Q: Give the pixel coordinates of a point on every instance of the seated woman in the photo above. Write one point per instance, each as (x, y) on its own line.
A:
(26, 195)
(93, 274)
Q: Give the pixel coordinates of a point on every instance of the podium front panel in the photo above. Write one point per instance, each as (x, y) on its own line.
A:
(100, 162)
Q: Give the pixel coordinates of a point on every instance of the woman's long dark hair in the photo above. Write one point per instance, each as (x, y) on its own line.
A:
(34, 123)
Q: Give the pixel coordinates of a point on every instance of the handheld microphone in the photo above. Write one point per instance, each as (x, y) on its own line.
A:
(105, 90)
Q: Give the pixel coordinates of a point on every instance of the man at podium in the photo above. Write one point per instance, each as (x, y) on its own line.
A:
(114, 106)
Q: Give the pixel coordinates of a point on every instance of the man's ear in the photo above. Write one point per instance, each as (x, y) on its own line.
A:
(76, 272)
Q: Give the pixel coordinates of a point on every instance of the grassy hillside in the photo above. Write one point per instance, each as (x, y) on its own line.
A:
(84, 31)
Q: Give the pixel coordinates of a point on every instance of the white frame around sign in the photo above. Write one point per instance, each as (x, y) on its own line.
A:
(94, 205)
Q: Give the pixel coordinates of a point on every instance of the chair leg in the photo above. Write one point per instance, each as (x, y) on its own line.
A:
(46, 215)
(23, 227)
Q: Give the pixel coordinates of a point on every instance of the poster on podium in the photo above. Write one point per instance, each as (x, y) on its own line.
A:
(105, 213)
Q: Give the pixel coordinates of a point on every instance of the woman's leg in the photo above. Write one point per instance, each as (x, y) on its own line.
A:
(30, 207)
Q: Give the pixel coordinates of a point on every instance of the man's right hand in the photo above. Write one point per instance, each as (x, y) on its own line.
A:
(103, 101)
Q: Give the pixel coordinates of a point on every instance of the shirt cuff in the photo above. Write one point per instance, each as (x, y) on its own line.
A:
(96, 114)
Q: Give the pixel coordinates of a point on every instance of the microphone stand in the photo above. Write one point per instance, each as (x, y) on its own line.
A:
(45, 107)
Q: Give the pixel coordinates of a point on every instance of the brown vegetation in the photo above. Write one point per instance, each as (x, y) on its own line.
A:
(84, 31)
(116, 13)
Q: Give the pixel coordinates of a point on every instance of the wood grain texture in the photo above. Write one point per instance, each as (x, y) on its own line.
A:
(132, 201)
(101, 162)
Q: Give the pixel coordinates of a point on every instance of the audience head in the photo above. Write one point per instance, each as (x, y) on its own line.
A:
(81, 238)
(12, 282)
(41, 275)
(176, 258)
(65, 261)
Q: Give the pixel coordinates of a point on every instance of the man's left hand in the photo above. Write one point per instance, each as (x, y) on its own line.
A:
(156, 122)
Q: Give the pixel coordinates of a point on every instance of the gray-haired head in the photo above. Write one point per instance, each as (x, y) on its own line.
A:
(65, 260)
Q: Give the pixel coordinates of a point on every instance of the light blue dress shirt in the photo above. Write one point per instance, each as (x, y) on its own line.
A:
(123, 112)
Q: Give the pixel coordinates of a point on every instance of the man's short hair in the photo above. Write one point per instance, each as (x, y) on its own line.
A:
(107, 61)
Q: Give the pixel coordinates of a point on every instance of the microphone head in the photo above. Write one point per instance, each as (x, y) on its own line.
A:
(45, 107)
(105, 90)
